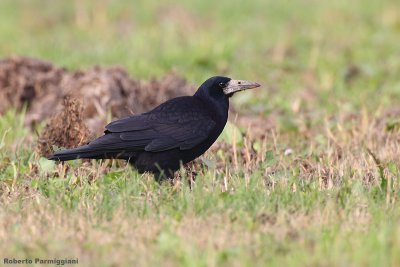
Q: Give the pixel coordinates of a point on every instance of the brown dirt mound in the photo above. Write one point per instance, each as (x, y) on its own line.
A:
(66, 129)
(43, 86)
(22, 80)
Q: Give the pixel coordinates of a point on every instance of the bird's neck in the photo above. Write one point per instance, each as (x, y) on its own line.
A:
(217, 106)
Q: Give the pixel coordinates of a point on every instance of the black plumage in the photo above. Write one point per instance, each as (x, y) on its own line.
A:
(174, 133)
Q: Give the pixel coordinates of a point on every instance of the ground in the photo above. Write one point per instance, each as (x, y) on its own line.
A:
(306, 173)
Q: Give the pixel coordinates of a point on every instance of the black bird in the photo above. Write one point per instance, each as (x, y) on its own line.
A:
(174, 133)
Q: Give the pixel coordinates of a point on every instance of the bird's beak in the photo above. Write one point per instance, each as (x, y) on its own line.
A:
(234, 86)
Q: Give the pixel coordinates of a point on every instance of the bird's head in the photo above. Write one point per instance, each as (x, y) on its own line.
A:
(219, 86)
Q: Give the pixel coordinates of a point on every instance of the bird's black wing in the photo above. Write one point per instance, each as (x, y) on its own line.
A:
(179, 123)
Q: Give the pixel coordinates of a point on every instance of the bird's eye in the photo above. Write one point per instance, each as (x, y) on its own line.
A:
(222, 85)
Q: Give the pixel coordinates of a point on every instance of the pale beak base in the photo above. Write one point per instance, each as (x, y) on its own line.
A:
(234, 86)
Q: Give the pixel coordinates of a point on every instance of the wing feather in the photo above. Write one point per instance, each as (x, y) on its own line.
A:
(179, 123)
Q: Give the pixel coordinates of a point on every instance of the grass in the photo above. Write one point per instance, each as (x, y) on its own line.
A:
(321, 189)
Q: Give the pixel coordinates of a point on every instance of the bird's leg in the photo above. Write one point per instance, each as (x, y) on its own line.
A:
(159, 177)
(192, 177)
(163, 175)
(191, 173)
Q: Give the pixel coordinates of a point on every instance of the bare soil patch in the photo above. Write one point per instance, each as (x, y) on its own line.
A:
(51, 93)
(42, 86)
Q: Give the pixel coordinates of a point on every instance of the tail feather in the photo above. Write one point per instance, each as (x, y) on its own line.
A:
(106, 147)
(82, 152)
(74, 153)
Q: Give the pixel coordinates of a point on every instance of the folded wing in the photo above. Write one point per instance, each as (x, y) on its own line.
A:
(182, 123)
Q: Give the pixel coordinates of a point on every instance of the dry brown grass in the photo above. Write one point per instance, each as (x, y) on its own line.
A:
(38, 228)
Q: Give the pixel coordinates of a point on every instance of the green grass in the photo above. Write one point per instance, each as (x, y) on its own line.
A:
(330, 75)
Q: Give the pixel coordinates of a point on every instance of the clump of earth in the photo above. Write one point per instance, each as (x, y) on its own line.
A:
(42, 87)
(65, 129)
(50, 93)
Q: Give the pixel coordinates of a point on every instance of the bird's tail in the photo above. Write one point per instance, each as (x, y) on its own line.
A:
(82, 152)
